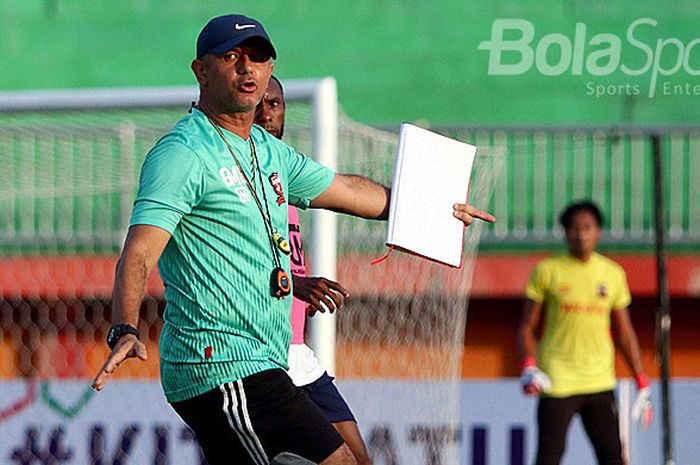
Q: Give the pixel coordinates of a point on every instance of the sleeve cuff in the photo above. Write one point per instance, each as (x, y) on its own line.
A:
(155, 214)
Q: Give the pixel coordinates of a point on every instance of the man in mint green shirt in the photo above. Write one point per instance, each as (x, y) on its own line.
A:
(211, 210)
(217, 264)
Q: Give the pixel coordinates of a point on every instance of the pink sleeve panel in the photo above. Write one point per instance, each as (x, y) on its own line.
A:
(298, 318)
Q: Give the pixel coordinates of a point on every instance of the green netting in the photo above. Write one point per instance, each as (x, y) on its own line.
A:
(69, 178)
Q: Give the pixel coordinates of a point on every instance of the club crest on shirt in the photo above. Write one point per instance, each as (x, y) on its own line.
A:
(277, 187)
(564, 289)
(602, 290)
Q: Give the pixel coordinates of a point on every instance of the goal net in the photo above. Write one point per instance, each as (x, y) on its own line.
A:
(400, 336)
(70, 171)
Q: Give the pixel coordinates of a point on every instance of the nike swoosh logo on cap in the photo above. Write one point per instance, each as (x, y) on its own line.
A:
(240, 27)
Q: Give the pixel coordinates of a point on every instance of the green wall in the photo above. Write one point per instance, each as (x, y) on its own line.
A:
(410, 60)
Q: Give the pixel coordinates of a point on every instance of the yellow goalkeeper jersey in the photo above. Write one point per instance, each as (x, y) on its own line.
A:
(577, 351)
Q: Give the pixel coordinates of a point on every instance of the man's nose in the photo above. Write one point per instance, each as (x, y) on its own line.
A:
(244, 63)
(263, 113)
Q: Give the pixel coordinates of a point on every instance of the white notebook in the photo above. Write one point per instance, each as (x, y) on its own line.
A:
(431, 173)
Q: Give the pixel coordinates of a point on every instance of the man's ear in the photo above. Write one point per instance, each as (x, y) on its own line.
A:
(272, 69)
(199, 68)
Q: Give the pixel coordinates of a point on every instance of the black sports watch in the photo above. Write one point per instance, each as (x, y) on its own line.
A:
(117, 331)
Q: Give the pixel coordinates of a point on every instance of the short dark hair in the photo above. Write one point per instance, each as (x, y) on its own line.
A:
(582, 205)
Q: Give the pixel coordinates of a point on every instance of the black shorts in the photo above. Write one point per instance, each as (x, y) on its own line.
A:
(324, 394)
(252, 420)
(599, 415)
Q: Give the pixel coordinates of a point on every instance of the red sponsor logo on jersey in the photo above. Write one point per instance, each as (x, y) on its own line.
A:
(575, 307)
(277, 187)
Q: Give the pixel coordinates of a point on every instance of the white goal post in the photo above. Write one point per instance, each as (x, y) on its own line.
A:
(321, 93)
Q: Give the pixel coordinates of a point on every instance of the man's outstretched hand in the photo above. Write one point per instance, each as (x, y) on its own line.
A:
(319, 293)
(466, 214)
(128, 346)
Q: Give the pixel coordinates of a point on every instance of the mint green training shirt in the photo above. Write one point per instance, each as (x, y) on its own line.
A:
(221, 322)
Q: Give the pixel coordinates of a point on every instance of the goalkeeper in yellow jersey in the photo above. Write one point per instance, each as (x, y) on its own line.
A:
(572, 367)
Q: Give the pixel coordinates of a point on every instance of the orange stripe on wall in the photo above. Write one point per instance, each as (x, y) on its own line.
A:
(63, 277)
(495, 276)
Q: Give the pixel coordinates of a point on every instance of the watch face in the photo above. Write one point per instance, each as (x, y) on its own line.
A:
(112, 336)
(117, 331)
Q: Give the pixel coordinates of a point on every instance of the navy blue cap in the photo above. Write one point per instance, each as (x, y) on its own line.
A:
(223, 33)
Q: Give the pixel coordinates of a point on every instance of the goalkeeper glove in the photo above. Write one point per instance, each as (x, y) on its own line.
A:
(642, 410)
(533, 380)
